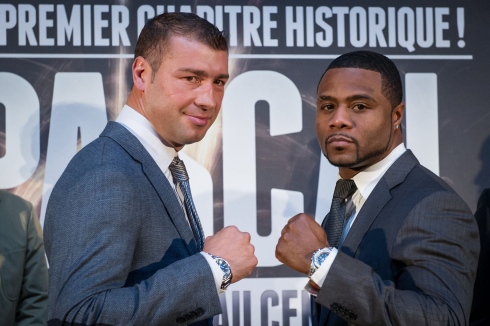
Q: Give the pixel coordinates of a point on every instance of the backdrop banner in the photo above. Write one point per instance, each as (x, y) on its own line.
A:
(65, 70)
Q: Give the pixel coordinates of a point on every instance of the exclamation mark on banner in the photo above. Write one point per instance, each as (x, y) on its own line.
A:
(460, 17)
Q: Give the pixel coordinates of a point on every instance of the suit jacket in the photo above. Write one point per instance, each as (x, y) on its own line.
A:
(409, 258)
(480, 312)
(23, 269)
(120, 249)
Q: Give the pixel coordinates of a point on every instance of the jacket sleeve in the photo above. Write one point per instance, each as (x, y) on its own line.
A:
(33, 301)
(433, 262)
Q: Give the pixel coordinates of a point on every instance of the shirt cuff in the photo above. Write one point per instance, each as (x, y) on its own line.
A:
(321, 273)
(217, 272)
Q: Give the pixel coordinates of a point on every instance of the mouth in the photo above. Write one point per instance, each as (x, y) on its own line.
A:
(339, 140)
(198, 120)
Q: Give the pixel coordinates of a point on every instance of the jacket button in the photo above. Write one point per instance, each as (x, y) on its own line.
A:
(180, 320)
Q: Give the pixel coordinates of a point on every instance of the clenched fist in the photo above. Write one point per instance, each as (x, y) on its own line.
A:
(234, 246)
(299, 239)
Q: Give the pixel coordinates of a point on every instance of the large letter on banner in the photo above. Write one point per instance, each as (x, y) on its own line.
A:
(239, 154)
(22, 146)
(423, 134)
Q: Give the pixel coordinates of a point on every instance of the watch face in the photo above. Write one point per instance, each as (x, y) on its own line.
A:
(224, 266)
(321, 258)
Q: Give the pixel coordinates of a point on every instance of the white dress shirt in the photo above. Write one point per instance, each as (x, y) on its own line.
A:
(163, 155)
(365, 181)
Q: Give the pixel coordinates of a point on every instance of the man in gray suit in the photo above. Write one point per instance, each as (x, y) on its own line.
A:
(408, 245)
(119, 242)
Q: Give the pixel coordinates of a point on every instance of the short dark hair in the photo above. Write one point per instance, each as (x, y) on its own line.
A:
(155, 36)
(391, 84)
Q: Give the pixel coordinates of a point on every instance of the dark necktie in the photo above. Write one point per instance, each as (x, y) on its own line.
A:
(179, 174)
(336, 217)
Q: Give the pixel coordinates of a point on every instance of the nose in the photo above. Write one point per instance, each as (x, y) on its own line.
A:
(341, 118)
(207, 98)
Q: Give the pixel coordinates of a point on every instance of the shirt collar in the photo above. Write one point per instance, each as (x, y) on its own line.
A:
(140, 127)
(368, 179)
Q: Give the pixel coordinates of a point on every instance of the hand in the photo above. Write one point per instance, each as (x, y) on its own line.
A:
(299, 239)
(235, 247)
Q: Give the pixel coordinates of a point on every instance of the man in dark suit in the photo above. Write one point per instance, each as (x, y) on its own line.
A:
(407, 247)
(23, 269)
(123, 240)
(480, 313)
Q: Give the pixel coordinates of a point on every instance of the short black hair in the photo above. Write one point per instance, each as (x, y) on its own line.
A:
(391, 84)
(155, 36)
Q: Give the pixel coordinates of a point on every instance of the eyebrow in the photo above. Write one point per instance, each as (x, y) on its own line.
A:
(202, 73)
(349, 98)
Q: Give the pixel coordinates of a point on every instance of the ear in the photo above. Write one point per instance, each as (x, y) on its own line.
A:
(397, 114)
(141, 73)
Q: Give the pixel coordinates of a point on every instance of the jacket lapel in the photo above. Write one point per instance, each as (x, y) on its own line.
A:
(156, 177)
(377, 200)
(366, 217)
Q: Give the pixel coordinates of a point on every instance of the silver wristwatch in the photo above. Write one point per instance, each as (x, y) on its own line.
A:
(318, 258)
(225, 268)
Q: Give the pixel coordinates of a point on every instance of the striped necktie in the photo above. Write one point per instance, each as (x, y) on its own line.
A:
(179, 174)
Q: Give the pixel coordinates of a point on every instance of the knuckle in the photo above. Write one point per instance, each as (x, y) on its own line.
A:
(246, 236)
(285, 236)
(279, 256)
(232, 228)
